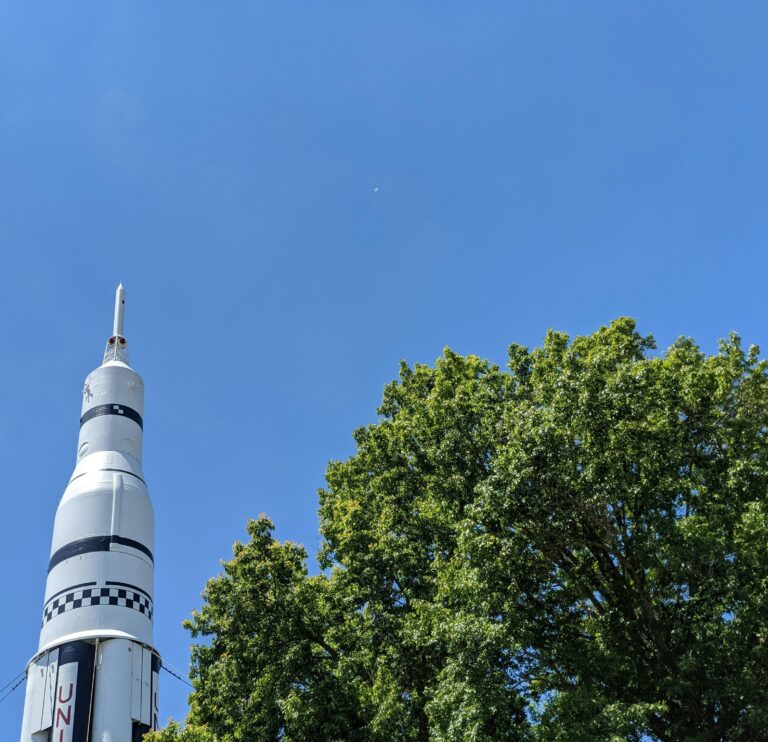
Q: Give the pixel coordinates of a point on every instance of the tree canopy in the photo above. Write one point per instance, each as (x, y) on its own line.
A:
(574, 548)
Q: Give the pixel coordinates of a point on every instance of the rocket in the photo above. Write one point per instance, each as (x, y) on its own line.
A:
(94, 677)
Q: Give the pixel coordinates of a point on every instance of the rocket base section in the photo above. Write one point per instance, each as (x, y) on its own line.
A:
(92, 691)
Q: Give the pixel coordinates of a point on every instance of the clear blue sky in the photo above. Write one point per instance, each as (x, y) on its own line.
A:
(299, 194)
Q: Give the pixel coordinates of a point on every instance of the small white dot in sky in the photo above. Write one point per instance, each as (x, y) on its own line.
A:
(376, 189)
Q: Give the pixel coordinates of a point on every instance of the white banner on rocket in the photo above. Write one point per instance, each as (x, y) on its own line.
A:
(64, 710)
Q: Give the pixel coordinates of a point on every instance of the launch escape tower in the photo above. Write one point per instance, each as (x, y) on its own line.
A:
(95, 675)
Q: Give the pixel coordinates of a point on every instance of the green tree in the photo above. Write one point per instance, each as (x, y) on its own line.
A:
(572, 549)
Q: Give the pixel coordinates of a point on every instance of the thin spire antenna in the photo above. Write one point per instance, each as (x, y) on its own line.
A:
(119, 311)
(117, 345)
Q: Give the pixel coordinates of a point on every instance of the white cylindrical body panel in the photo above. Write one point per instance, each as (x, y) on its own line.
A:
(126, 690)
(96, 659)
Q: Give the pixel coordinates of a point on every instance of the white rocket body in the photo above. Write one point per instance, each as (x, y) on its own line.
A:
(95, 676)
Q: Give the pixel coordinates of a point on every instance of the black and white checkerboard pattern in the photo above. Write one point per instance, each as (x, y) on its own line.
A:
(84, 597)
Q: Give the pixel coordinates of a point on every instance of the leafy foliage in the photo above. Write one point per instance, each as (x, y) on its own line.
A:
(572, 549)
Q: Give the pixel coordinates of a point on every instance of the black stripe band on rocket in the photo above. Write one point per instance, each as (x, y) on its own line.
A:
(112, 409)
(95, 543)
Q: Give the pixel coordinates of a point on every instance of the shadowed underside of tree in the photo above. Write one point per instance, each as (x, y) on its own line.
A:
(575, 548)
